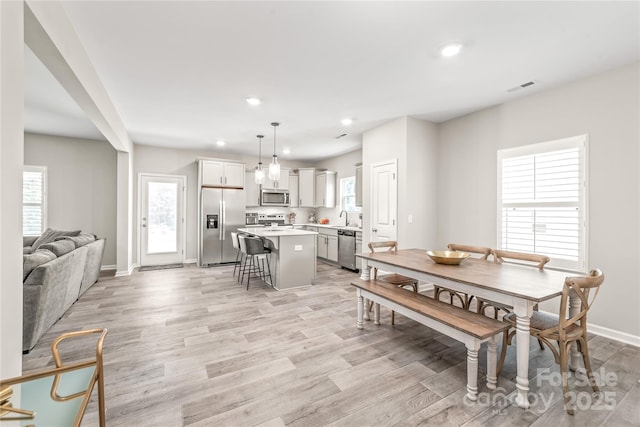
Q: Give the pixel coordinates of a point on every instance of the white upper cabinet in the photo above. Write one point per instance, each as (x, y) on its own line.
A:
(218, 173)
(282, 184)
(294, 194)
(307, 188)
(325, 190)
(251, 190)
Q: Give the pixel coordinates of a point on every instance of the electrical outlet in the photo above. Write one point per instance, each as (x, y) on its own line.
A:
(297, 248)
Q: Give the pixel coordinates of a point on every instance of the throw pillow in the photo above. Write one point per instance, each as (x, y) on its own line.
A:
(49, 236)
(31, 261)
(60, 247)
(79, 240)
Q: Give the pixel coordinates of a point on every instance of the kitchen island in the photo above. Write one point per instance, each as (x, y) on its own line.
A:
(293, 257)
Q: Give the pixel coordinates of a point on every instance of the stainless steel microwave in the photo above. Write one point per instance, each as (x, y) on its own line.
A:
(274, 198)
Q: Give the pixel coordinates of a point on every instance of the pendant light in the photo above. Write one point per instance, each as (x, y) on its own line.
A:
(259, 173)
(274, 167)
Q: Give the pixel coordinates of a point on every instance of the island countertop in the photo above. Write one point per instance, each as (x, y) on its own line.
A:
(276, 231)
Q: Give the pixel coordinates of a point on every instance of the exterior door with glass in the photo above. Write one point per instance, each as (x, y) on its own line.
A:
(161, 219)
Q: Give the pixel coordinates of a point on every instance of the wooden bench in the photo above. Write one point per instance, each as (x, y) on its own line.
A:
(470, 328)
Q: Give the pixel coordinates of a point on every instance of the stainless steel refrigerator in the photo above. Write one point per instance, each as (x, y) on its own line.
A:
(222, 211)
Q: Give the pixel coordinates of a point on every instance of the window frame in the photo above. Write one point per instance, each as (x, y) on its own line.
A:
(43, 206)
(581, 143)
(343, 185)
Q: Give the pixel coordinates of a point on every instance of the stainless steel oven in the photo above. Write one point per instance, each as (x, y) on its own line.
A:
(274, 198)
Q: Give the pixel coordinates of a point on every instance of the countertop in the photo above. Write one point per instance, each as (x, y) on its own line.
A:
(276, 231)
(334, 226)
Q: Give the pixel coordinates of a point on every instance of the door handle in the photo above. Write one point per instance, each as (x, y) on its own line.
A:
(375, 230)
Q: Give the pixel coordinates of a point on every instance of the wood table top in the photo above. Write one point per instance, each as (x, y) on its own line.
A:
(511, 279)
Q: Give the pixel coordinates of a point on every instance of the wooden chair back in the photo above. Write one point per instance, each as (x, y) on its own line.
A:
(482, 251)
(586, 289)
(538, 260)
(386, 245)
(382, 246)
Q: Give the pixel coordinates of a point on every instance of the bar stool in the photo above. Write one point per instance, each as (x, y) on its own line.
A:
(236, 246)
(254, 253)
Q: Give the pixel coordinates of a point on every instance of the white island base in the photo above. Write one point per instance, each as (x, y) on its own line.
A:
(293, 259)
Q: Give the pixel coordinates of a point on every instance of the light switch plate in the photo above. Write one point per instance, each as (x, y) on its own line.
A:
(410, 219)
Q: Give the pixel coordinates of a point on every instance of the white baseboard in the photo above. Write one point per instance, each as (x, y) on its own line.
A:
(190, 261)
(126, 272)
(594, 329)
(107, 267)
(609, 333)
(614, 335)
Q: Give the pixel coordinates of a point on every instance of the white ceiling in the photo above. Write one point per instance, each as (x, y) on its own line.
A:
(178, 72)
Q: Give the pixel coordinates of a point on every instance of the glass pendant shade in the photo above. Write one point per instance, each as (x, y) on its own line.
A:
(274, 167)
(259, 173)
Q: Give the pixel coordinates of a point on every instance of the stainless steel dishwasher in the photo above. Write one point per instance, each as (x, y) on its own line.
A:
(347, 249)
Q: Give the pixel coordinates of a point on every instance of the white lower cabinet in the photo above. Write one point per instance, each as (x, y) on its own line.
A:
(328, 244)
(322, 246)
(332, 248)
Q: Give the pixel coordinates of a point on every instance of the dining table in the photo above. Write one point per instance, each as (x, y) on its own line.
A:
(515, 285)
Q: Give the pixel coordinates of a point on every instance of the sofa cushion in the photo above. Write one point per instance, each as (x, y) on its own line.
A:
(28, 240)
(79, 240)
(27, 250)
(31, 261)
(60, 247)
(49, 236)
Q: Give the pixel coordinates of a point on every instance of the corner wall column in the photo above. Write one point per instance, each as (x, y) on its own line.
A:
(124, 213)
(11, 165)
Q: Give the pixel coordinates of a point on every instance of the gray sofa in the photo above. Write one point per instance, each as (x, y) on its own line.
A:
(55, 274)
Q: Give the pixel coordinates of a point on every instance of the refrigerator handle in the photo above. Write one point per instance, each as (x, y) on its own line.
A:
(221, 222)
(224, 220)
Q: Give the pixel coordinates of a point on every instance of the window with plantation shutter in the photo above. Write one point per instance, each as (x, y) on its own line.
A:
(34, 185)
(542, 201)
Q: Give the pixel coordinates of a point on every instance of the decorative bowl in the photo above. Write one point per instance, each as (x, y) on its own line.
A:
(448, 257)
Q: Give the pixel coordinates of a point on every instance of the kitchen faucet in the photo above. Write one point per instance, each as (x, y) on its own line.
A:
(346, 217)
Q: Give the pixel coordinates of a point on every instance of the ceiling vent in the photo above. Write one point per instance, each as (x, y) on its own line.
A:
(522, 86)
(341, 136)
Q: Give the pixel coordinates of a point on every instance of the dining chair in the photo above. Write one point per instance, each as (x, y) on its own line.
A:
(392, 278)
(465, 300)
(563, 328)
(499, 256)
(533, 260)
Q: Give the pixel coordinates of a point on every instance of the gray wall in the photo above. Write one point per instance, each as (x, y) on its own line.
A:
(606, 107)
(81, 182)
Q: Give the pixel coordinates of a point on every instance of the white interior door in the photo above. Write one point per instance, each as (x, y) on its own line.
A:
(161, 219)
(384, 201)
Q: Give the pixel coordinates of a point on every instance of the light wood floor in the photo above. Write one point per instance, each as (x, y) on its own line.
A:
(192, 347)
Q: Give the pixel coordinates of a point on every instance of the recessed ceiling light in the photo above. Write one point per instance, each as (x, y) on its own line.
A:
(451, 49)
(220, 143)
(347, 121)
(253, 101)
(286, 151)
